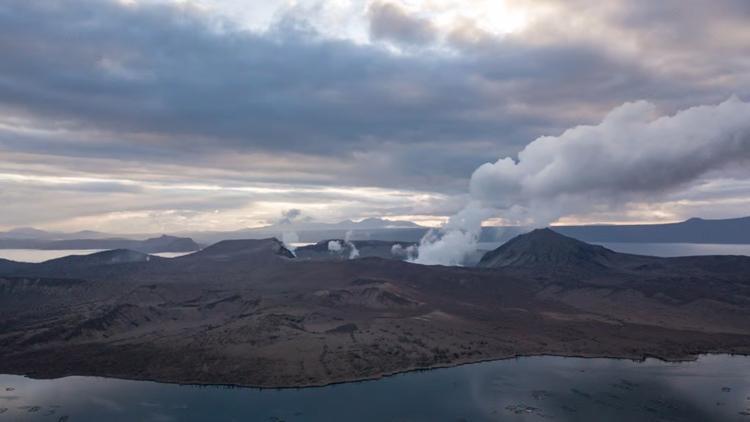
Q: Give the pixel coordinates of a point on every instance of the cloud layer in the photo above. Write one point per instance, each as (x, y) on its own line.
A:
(160, 115)
(631, 156)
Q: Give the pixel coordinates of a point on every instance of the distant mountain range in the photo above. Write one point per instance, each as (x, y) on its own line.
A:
(307, 231)
(152, 245)
(310, 232)
(694, 230)
(33, 233)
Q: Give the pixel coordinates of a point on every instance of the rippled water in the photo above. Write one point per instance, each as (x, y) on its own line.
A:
(714, 388)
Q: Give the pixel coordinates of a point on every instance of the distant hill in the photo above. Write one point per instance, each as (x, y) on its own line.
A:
(247, 250)
(543, 248)
(115, 256)
(694, 230)
(27, 233)
(333, 230)
(153, 245)
(309, 231)
(31, 233)
(366, 224)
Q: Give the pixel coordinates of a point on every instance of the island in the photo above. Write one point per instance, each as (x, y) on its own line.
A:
(251, 313)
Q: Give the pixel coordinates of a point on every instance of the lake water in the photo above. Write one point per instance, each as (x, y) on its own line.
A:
(661, 249)
(35, 255)
(655, 249)
(713, 388)
(678, 249)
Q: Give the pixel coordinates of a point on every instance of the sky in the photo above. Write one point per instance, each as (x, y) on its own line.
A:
(137, 116)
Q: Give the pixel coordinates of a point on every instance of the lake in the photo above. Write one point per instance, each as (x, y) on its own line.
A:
(660, 249)
(713, 388)
(655, 249)
(36, 255)
(678, 249)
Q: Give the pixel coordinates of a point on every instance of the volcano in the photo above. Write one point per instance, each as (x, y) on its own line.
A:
(547, 249)
(249, 312)
(244, 249)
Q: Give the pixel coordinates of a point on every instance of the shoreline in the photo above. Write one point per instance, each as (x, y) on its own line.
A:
(324, 384)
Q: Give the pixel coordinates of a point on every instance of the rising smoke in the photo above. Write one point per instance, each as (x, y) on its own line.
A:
(290, 240)
(337, 247)
(289, 237)
(456, 240)
(334, 246)
(631, 156)
(353, 251)
(408, 253)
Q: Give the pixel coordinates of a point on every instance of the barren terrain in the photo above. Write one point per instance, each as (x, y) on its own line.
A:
(248, 312)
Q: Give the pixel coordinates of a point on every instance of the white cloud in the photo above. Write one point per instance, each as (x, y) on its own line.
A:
(228, 127)
(632, 155)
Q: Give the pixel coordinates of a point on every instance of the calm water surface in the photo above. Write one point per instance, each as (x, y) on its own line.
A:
(661, 249)
(678, 249)
(714, 388)
(35, 255)
(655, 249)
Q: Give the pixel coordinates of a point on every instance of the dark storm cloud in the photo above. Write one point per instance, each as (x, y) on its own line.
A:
(172, 94)
(288, 216)
(391, 22)
(165, 71)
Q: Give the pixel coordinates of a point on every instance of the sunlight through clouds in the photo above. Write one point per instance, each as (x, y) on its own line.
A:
(348, 108)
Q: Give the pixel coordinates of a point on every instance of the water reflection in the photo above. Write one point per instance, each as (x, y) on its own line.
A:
(713, 388)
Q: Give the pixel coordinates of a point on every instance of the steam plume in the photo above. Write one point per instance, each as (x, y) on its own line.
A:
(452, 244)
(336, 247)
(408, 253)
(289, 239)
(631, 156)
(353, 251)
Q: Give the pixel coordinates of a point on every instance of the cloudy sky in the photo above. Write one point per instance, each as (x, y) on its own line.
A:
(162, 115)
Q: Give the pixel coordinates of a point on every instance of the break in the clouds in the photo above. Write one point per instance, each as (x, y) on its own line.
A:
(162, 115)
